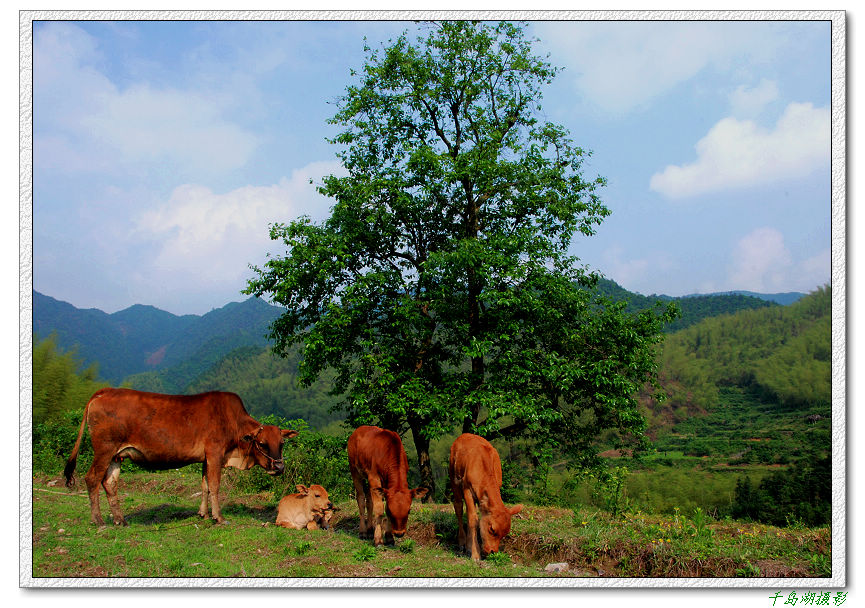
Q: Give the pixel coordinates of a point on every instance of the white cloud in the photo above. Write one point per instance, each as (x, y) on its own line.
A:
(761, 262)
(749, 102)
(184, 128)
(815, 271)
(739, 153)
(620, 66)
(84, 121)
(205, 241)
(635, 273)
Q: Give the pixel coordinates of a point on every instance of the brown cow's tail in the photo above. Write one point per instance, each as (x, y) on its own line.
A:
(69, 469)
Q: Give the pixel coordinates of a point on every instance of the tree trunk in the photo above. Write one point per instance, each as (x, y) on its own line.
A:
(474, 312)
(427, 480)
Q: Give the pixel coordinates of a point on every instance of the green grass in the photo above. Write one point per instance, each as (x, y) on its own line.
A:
(165, 538)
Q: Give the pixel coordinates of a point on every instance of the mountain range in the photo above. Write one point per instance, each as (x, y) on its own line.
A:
(143, 339)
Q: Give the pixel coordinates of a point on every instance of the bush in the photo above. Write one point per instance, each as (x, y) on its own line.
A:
(801, 495)
(53, 440)
(310, 458)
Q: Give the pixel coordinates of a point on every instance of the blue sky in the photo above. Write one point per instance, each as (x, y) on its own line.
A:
(162, 150)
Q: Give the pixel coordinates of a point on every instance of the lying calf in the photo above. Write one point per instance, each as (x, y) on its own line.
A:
(310, 508)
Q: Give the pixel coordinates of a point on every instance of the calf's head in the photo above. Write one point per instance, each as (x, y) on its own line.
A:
(398, 505)
(267, 442)
(316, 498)
(495, 524)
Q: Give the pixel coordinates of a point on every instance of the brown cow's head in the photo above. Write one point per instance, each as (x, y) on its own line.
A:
(266, 449)
(398, 505)
(495, 525)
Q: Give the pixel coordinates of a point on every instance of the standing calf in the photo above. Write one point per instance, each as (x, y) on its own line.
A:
(379, 470)
(476, 478)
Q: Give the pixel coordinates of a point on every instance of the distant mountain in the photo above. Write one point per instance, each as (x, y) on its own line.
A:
(694, 308)
(141, 338)
(784, 299)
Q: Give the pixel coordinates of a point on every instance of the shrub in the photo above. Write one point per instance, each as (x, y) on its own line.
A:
(310, 458)
(801, 495)
(53, 440)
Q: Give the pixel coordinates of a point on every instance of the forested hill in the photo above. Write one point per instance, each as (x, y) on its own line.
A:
(695, 308)
(143, 338)
(784, 353)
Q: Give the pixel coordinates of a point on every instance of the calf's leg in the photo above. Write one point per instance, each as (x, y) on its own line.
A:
(473, 524)
(376, 511)
(458, 511)
(360, 495)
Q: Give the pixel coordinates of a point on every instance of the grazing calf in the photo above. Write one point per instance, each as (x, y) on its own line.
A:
(379, 470)
(476, 478)
(169, 431)
(310, 508)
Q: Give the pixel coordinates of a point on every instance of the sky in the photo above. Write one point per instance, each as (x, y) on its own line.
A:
(163, 150)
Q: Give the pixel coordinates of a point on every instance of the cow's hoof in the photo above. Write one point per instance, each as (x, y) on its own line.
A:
(221, 522)
(121, 522)
(98, 521)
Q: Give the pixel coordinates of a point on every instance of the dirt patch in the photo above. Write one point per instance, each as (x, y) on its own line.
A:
(774, 569)
(423, 534)
(157, 357)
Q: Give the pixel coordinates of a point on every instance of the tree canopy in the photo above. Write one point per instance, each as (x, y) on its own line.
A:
(440, 289)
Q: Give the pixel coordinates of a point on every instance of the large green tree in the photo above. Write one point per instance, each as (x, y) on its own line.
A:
(440, 289)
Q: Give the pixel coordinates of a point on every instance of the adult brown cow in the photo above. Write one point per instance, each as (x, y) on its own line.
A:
(379, 469)
(168, 431)
(476, 477)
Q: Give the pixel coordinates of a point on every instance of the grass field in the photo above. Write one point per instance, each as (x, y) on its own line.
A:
(165, 538)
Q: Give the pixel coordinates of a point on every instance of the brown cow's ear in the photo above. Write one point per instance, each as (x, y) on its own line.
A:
(419, 493)
(516, 509)
(288, 433)
(380, 491)
(302, 489)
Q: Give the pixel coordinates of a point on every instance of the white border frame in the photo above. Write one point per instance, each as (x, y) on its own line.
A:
(839, 298)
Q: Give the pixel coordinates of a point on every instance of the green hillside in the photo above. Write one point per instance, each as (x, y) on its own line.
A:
(781, 353)
(751, 392)
(268, 385)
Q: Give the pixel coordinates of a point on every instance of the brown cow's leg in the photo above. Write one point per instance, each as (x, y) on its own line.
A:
(202, 510)
(109, 482)
(360, 495)
(94, 478)
(214, 475)
(458, 511)
(473, 531)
